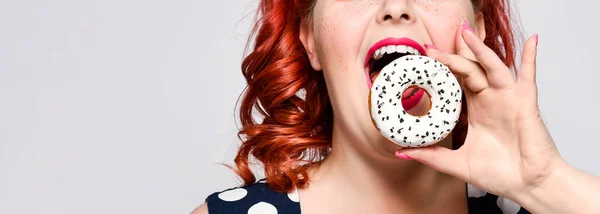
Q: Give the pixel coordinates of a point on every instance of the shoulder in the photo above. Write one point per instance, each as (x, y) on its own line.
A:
(256, 198)
(202, 209)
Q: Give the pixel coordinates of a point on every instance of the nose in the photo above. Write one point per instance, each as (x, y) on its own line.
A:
(396, 11)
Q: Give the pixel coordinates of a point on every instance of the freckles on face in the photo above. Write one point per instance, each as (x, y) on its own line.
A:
(442, 19)
(340, 26)
(339, 30)
(344, 30)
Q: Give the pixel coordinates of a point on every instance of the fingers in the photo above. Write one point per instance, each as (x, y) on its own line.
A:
(471, 72)
(498, 74)
(461, 46)
(528, 61)
(439, 158)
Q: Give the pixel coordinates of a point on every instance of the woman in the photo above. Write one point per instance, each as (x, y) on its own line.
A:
(321, 154)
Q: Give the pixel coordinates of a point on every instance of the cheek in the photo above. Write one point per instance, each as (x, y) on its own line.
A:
(339, 29)
(442, 20)
(442, 33)
(325, 40)
(330, 48)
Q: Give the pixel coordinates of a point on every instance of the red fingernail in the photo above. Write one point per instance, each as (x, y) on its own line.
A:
(466, 26)
(429, 46)
(403, 156)
(537, 39)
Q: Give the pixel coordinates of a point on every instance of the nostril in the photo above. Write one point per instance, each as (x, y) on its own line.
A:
(387, 17)
(390, 17)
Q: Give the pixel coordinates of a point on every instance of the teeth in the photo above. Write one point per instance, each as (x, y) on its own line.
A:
(391, 49)
(383, 50)
(401, 48)
(412, 51)
(394, 49)
(377, 55)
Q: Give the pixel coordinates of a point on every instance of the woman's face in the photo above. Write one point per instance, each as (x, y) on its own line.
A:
(342, 33)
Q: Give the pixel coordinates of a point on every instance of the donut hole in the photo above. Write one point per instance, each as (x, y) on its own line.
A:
(416, 101)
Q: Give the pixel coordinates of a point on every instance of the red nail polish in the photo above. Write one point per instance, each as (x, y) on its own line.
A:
(403, 156)
(466, 26)
(429, 46)
(537, 39)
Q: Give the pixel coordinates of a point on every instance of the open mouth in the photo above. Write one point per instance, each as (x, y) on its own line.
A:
(385, 55)
(386, 51)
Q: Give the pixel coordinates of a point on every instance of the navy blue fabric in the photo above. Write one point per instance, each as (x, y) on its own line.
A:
(261, 192)
(258, 192)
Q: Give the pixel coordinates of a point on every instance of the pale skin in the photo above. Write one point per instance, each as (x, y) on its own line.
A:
(508, 150)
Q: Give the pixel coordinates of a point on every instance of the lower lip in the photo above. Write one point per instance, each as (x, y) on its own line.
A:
(412, 102)
(368, 78)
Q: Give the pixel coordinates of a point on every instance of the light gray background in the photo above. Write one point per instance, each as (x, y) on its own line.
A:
(127, 106)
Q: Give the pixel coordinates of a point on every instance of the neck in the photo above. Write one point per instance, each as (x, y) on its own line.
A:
(390, 183)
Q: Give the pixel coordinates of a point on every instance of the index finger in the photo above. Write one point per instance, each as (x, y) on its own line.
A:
(461, 46)
(499, 75)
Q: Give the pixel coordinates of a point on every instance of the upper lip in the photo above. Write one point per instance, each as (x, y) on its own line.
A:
(393, 41)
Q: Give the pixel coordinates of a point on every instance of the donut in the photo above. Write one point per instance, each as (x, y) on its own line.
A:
(391, 119)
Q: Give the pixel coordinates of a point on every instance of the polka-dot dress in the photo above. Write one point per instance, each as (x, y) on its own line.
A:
(258, 198)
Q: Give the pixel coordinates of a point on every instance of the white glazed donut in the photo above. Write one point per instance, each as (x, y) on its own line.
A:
(388, 114)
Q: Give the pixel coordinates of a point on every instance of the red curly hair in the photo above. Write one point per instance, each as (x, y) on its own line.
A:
(291, 98)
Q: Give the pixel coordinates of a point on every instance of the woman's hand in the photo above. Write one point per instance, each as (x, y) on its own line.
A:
(508, 150)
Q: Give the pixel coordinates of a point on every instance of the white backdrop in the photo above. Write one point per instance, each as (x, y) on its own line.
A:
(127, 106)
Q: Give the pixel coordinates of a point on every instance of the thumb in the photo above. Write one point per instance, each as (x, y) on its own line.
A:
(448, 161)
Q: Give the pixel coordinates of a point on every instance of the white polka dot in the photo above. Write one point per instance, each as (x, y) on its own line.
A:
(262, 208)
(507, 206)
(233, 195)
(474, 192)
(294, 196)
